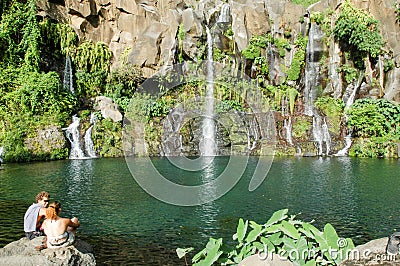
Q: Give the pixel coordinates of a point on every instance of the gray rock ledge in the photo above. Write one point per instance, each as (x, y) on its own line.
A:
(23, 252)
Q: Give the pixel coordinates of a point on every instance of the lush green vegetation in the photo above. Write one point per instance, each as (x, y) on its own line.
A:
(298, 61)
(33, 98)
(377, 125)
(357, 31)
(298, 241)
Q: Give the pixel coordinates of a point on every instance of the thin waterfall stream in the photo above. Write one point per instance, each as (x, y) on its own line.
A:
(208, 142)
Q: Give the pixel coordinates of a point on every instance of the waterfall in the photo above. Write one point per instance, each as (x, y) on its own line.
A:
(252, 133)
(287, 124)
(334, 76)
(271, 62)
(1, 155)
(208, 142)
(312, 70)
(89, 146)
(321, 134)
(345, 150)
(349, 102)
(68, 83)
(72, 134)
(225, 14)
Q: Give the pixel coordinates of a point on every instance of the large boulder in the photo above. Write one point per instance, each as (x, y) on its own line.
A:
(248, 18)
(46, 140)
(23, 252)
(108, 108)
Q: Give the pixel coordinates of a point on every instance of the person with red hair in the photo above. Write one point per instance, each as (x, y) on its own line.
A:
(60, 231)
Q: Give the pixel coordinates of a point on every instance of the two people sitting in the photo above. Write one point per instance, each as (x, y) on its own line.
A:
(38, 221)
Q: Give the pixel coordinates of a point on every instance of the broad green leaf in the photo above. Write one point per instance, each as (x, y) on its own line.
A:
(254, 233)
(210, 258)
(306, 233)
(241, 230)
(277, 216)
(276, 238)
(181, 252)
(312, 229)
(198, 256)
(301, 245)
(272, 229)
(331, 236)
(290, 230)
(213, 252)
(350, 244)
(259, 247)
(288, 244)
(268, 246)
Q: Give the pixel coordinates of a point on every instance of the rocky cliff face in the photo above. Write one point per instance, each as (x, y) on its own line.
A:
(147, 34)
(146, 31)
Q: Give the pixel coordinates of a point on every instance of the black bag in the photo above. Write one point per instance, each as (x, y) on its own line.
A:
(393, 245)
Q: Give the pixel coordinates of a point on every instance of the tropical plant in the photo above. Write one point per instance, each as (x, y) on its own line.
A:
(107, 138)
(375, 147)
(92, 57)
(357, 31)
(300, 242)
(257, 42)
(350, 73)
(20, 35)
(374, 118)
(298, 61)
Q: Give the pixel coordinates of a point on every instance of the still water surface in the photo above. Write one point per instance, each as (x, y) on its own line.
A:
(360, 197)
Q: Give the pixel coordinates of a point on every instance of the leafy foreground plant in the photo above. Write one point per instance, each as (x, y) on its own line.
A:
(291, 239)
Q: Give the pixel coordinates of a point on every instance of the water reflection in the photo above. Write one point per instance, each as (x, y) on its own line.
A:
(78, 178)
(127, 226)
(208, 211)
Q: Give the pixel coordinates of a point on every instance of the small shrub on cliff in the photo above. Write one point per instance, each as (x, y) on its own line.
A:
(374, 147)
(374, 118)
(357, 30)
(298, 61)
(107, 138)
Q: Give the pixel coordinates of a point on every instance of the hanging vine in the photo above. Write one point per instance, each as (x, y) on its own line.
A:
(68, 39)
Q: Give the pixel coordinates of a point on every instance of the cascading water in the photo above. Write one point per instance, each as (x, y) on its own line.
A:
(334, 76)
(89, 146)
(349, 102)
(68, 83)
(345, 150)
(321, 134)
(225, 14)
(287, 124)
(208, 142)
(1, 154)
(252, 134)
(72, 134)
(313, 67)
